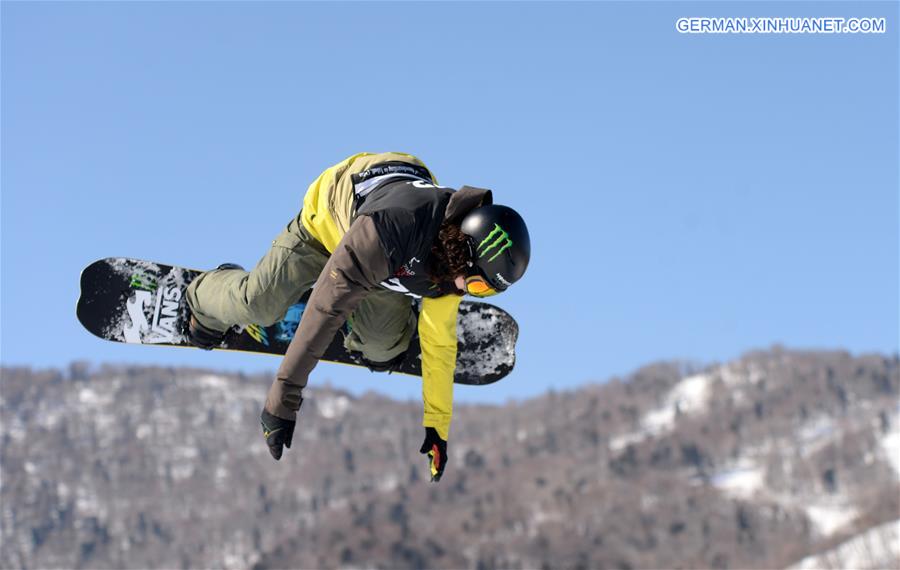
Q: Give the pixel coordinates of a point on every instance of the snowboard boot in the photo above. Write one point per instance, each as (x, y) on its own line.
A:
(389, 366)
(201, 336)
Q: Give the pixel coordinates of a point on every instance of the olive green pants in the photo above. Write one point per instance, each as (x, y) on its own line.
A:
(381, 326)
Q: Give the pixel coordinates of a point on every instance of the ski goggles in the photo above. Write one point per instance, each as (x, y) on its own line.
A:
(477, 286)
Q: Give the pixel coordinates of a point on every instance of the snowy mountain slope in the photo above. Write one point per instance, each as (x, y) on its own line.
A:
(875, 549)
(786, 422)
(757, 463)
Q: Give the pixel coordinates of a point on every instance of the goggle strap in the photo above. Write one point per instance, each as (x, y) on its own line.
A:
(471, 245)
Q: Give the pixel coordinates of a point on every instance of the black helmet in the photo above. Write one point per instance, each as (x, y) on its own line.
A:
(500, 244)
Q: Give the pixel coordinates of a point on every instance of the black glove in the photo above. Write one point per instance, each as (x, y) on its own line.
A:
(278, 433)
(436, 448)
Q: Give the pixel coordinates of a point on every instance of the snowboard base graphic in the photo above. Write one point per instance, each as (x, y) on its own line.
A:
(141, 302)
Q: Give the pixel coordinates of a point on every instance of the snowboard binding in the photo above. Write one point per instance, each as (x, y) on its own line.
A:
(389, 366)
(202, 337)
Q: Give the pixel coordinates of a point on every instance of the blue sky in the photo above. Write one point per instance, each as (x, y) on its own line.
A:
(688, 196)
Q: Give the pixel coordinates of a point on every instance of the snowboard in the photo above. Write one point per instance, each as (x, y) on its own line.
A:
(141, 302)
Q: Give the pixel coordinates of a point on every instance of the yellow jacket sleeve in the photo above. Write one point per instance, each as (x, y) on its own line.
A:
(437, 335)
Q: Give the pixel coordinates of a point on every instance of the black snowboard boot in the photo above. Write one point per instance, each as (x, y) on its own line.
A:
(201, 336)
(389, 366)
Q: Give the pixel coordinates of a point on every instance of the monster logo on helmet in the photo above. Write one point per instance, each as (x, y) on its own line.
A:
(500, 237)
(501, 243)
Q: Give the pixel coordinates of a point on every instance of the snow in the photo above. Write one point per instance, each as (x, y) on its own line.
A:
(746, 479)
(743, 481)
(87, 504)
(830, 516)
(620, 442)
(738, 377)
(689, 396)
(90, 397)
(816, 434)
(221, 476)
(332, 407)
(539, 516)
(649, 501)
(737, 374)
(213, 381)
(890, 443)
(876, 549)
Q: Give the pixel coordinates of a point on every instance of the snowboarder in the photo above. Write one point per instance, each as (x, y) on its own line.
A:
(374, 230)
